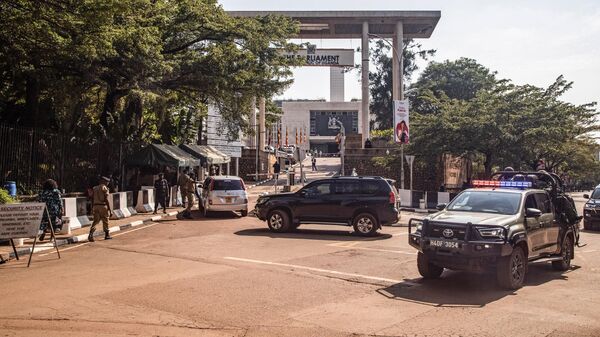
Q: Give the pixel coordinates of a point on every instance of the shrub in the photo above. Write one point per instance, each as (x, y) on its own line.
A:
(5, 198)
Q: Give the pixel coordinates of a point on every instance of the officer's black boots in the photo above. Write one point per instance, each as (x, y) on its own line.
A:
(107, 236)
(91, 237)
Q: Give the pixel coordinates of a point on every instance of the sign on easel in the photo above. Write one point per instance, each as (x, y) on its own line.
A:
(23, 221)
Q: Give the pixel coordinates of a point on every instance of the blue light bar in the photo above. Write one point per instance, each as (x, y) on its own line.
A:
(516, 184)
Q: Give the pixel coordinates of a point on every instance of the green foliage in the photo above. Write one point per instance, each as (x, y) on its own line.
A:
(136, 70)
(386, 134)
(509, 125)
(380, 81)
(5, 198)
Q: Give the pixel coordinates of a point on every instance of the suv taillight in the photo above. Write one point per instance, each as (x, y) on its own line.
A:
(243, 185)
(392, 198)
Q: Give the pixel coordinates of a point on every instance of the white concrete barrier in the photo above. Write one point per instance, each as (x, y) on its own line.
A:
(130, 203)
(75, 217)
(145, 200)
(405, 198)
(175, 196)
(118, 205)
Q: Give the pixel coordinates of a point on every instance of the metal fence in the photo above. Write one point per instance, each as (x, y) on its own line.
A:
(30, 156)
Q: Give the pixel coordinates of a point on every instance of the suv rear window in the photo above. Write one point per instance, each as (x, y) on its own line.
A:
(370, 187)
(227, 184)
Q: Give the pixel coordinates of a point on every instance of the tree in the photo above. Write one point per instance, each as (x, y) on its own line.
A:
(507, 124)
(380, 81)
(461, 79)
(122, 69)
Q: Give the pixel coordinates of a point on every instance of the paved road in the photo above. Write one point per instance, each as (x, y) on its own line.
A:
(230, 276)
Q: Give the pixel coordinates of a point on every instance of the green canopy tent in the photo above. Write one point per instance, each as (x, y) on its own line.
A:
(155, 157)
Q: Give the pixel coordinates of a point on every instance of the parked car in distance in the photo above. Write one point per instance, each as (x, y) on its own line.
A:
(365, 203)
(591, 211)
(224, 194)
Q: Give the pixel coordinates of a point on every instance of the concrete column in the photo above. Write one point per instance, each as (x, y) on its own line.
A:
(261, 124)
(365, 82)
(336, 84)
(398, 63)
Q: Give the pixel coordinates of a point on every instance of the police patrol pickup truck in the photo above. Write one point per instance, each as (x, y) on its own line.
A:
(503, 224)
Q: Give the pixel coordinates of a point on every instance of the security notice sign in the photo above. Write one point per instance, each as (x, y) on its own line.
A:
(20, 220)
(401, 122)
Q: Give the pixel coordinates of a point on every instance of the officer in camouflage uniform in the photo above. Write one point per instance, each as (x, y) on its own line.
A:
(100, 208)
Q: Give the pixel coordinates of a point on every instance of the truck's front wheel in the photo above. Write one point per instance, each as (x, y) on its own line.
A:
(426, 269)
(510, 271)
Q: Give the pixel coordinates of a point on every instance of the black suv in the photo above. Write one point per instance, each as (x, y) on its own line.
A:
(365, 203)
(591, 211)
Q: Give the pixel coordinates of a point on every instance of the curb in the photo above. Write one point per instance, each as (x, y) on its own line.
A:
(41, 247)
(418, 210)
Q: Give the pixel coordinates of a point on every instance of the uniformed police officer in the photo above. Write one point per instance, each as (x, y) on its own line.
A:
(100, 208)
(187, 186)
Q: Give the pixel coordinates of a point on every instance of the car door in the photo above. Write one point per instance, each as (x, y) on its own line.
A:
(534, 232)
(316, 202)
(548, 224)
(346, 199)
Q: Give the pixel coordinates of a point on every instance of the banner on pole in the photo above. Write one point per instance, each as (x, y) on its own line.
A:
(21, 220)
(401, 122)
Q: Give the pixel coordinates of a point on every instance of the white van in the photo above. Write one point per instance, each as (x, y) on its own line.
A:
(224, 194)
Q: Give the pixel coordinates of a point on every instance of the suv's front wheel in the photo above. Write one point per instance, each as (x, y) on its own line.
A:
(365, 224)
(510, 272)
(427, 269)
(278, 221)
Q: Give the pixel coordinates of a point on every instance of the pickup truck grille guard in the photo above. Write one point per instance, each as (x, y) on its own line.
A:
(468, 231)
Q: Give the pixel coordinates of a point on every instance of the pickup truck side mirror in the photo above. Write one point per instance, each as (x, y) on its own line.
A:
(533, 213)
(586, 196)
(441, 207)
(303, 193)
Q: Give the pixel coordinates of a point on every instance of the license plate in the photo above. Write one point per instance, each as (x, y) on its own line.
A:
(443, 244)
(228, 200)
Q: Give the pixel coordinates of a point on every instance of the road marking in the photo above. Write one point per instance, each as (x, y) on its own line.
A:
(319, 270)
(352, 245)
(113, 235)
(399, 234)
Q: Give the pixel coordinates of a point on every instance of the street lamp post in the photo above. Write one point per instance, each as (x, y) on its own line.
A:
(342, 145)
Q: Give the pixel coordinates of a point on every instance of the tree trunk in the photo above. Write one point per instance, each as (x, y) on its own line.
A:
(32, 99)
(488, 164)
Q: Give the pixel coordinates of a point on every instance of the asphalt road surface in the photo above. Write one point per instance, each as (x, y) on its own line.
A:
(229, 276)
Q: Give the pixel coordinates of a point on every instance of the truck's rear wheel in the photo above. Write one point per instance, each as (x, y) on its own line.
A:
(426, 269)
(510, 272)
(566, 253)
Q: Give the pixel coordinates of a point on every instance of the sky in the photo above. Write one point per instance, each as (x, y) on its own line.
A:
(528, 42)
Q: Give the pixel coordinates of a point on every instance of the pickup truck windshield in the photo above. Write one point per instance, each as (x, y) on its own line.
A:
(596, 194)
(486, 202)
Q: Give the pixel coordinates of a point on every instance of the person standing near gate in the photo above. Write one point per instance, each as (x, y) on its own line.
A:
(187, 185)
(100, 208)
(51, 196)
(314, 163)
(161, 188)
(181, 182)
(276, 169)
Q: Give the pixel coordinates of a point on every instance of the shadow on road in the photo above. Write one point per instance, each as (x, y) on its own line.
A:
(312, 234)
(197, 216)
(462, 289)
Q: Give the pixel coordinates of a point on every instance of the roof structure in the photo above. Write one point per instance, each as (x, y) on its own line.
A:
(348, 24)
